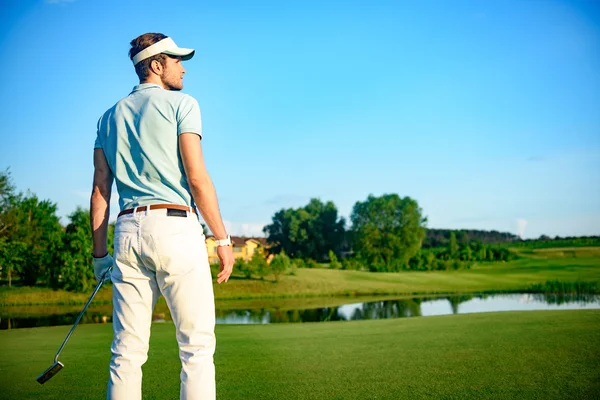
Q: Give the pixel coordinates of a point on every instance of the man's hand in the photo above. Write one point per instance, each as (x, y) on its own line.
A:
(226, 257)
(102, 266)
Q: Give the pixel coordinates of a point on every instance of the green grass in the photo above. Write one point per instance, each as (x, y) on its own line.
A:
(512, 355)
(558, 252)
(496, 277)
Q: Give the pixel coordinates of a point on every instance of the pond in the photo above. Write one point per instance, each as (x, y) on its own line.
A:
(333, 309)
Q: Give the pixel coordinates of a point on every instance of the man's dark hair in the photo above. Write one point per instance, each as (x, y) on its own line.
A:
(142, 69)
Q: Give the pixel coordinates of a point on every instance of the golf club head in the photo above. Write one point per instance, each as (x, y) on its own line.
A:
(50, 372)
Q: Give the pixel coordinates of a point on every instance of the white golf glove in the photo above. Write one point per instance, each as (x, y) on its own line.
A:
(102, 266)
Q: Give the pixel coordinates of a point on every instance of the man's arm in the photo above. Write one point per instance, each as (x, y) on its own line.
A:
(205, 197)
(100, 203)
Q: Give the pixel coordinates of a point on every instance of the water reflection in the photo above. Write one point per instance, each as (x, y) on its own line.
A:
(32, 321)
(396, 308)
(411, 307)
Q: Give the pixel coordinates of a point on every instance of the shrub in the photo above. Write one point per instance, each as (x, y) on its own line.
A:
(292, 270)
(279, 264)
(298, 263)
(258, 265)
(333, 261)
(243, 267)
(456, 264)
(351, 264)
(215, 268)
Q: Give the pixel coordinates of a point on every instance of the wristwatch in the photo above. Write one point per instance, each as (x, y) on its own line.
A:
(224, 242)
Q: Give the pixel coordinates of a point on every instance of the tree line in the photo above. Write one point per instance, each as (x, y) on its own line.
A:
(441, 237)
(37, 249)
(386, 234)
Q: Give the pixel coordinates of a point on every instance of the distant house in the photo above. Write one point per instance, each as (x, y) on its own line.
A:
(243, 247)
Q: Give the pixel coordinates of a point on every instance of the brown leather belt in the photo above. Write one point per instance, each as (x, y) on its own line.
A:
(157, 207)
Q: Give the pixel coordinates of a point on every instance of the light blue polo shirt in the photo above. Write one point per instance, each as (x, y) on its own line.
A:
(139, 137)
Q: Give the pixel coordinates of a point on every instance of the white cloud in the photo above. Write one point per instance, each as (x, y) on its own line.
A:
(521, 225)
(244, 228)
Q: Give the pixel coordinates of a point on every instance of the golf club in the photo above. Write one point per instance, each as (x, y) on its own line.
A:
(57, 366)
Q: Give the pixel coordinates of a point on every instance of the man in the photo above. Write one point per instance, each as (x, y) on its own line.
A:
(149, 142)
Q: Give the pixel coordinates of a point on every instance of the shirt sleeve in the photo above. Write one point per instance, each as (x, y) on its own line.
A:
(98, 143)
(189, 119)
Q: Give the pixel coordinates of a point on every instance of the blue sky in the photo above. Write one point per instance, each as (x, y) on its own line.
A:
(486, 112)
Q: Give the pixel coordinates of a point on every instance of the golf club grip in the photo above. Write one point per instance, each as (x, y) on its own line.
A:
(79, 317)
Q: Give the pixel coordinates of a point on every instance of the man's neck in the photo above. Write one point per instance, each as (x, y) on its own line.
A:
(153, 81)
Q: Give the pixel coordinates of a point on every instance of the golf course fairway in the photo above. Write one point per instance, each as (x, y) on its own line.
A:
(509, 355)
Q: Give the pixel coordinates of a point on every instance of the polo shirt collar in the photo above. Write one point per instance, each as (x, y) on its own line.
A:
(143, 86)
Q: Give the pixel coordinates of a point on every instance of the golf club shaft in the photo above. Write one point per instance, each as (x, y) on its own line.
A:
(80, 315)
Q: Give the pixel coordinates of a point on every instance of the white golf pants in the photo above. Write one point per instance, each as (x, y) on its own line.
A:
(160, 254)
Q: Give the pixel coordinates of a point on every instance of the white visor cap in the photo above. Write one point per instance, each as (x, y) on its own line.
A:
(165, 46)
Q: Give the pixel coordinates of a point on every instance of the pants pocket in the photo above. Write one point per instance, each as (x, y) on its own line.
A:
(179, 247)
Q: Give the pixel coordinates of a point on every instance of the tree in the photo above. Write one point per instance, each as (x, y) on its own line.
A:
(34, 224)
(307, 232)
(279, 264)
(12, 258)
(333, 261)
(258, 265)
(29, 233)
(453, 246)
(430, 261)
(8, 201)
(7, 261)
(467, 253)
(387, 231)
(482, 253)
(74, 261)
(441, 237)
(239, 265)
(36, 248)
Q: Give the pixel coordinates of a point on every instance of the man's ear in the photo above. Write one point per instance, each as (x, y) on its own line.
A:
(156, 67)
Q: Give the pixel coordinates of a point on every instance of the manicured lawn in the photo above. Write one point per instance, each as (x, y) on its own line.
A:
(512, 355)
(559, 252)
(484, 277)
